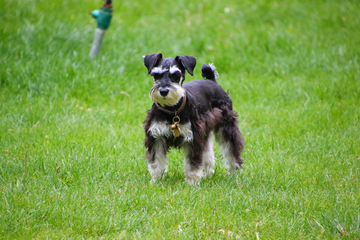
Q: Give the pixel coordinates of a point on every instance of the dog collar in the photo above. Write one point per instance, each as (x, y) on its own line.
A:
(175, 113)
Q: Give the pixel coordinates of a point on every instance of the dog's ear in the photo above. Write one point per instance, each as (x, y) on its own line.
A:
(188, 62)
(152, 60)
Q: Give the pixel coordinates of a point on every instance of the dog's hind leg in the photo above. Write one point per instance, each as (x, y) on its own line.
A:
(157, 159)
(230, 140)
(209, 157)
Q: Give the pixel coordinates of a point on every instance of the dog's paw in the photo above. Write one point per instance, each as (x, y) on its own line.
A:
(233, 170)
(192, 182)
(157, 178)
(208, 172)
(193, 177)
(153, 181)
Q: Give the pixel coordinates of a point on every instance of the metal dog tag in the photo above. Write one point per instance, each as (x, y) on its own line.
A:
(175, 127)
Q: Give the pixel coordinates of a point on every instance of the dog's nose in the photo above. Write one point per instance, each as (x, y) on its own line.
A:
(164, 92)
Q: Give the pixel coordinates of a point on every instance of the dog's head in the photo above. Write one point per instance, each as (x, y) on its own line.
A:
(169, 74)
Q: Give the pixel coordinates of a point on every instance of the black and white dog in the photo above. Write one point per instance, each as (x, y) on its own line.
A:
(186, 115)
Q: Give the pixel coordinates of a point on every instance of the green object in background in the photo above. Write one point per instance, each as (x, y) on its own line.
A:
(103, 18)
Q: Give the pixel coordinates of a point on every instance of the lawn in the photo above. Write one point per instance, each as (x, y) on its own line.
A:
(72, 163)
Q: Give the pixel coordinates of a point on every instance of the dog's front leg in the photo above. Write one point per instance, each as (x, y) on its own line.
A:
(193, 164)
(157, 159)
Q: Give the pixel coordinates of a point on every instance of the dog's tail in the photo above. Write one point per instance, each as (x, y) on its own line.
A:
(209, 72)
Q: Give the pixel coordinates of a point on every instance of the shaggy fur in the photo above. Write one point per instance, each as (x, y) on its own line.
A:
(207, 110)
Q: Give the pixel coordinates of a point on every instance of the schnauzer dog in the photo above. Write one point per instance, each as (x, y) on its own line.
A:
(186, 115)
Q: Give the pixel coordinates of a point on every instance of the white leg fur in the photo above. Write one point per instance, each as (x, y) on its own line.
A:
(229, 160)
(158, 168)
(209, 158)
(192, 176)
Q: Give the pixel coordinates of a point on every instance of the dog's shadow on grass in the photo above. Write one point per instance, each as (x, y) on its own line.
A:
(219, 179)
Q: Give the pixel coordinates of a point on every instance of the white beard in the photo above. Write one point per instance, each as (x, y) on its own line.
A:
(176, 92)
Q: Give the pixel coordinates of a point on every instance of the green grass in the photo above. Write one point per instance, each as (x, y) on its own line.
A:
(72, 162)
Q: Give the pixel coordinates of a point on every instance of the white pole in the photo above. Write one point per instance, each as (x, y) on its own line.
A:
(96, 44)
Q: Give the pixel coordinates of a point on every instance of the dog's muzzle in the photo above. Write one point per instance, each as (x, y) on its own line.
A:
(167, 95)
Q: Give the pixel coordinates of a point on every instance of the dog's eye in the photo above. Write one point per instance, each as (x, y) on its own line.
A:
(156, 75)
(176, 76)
